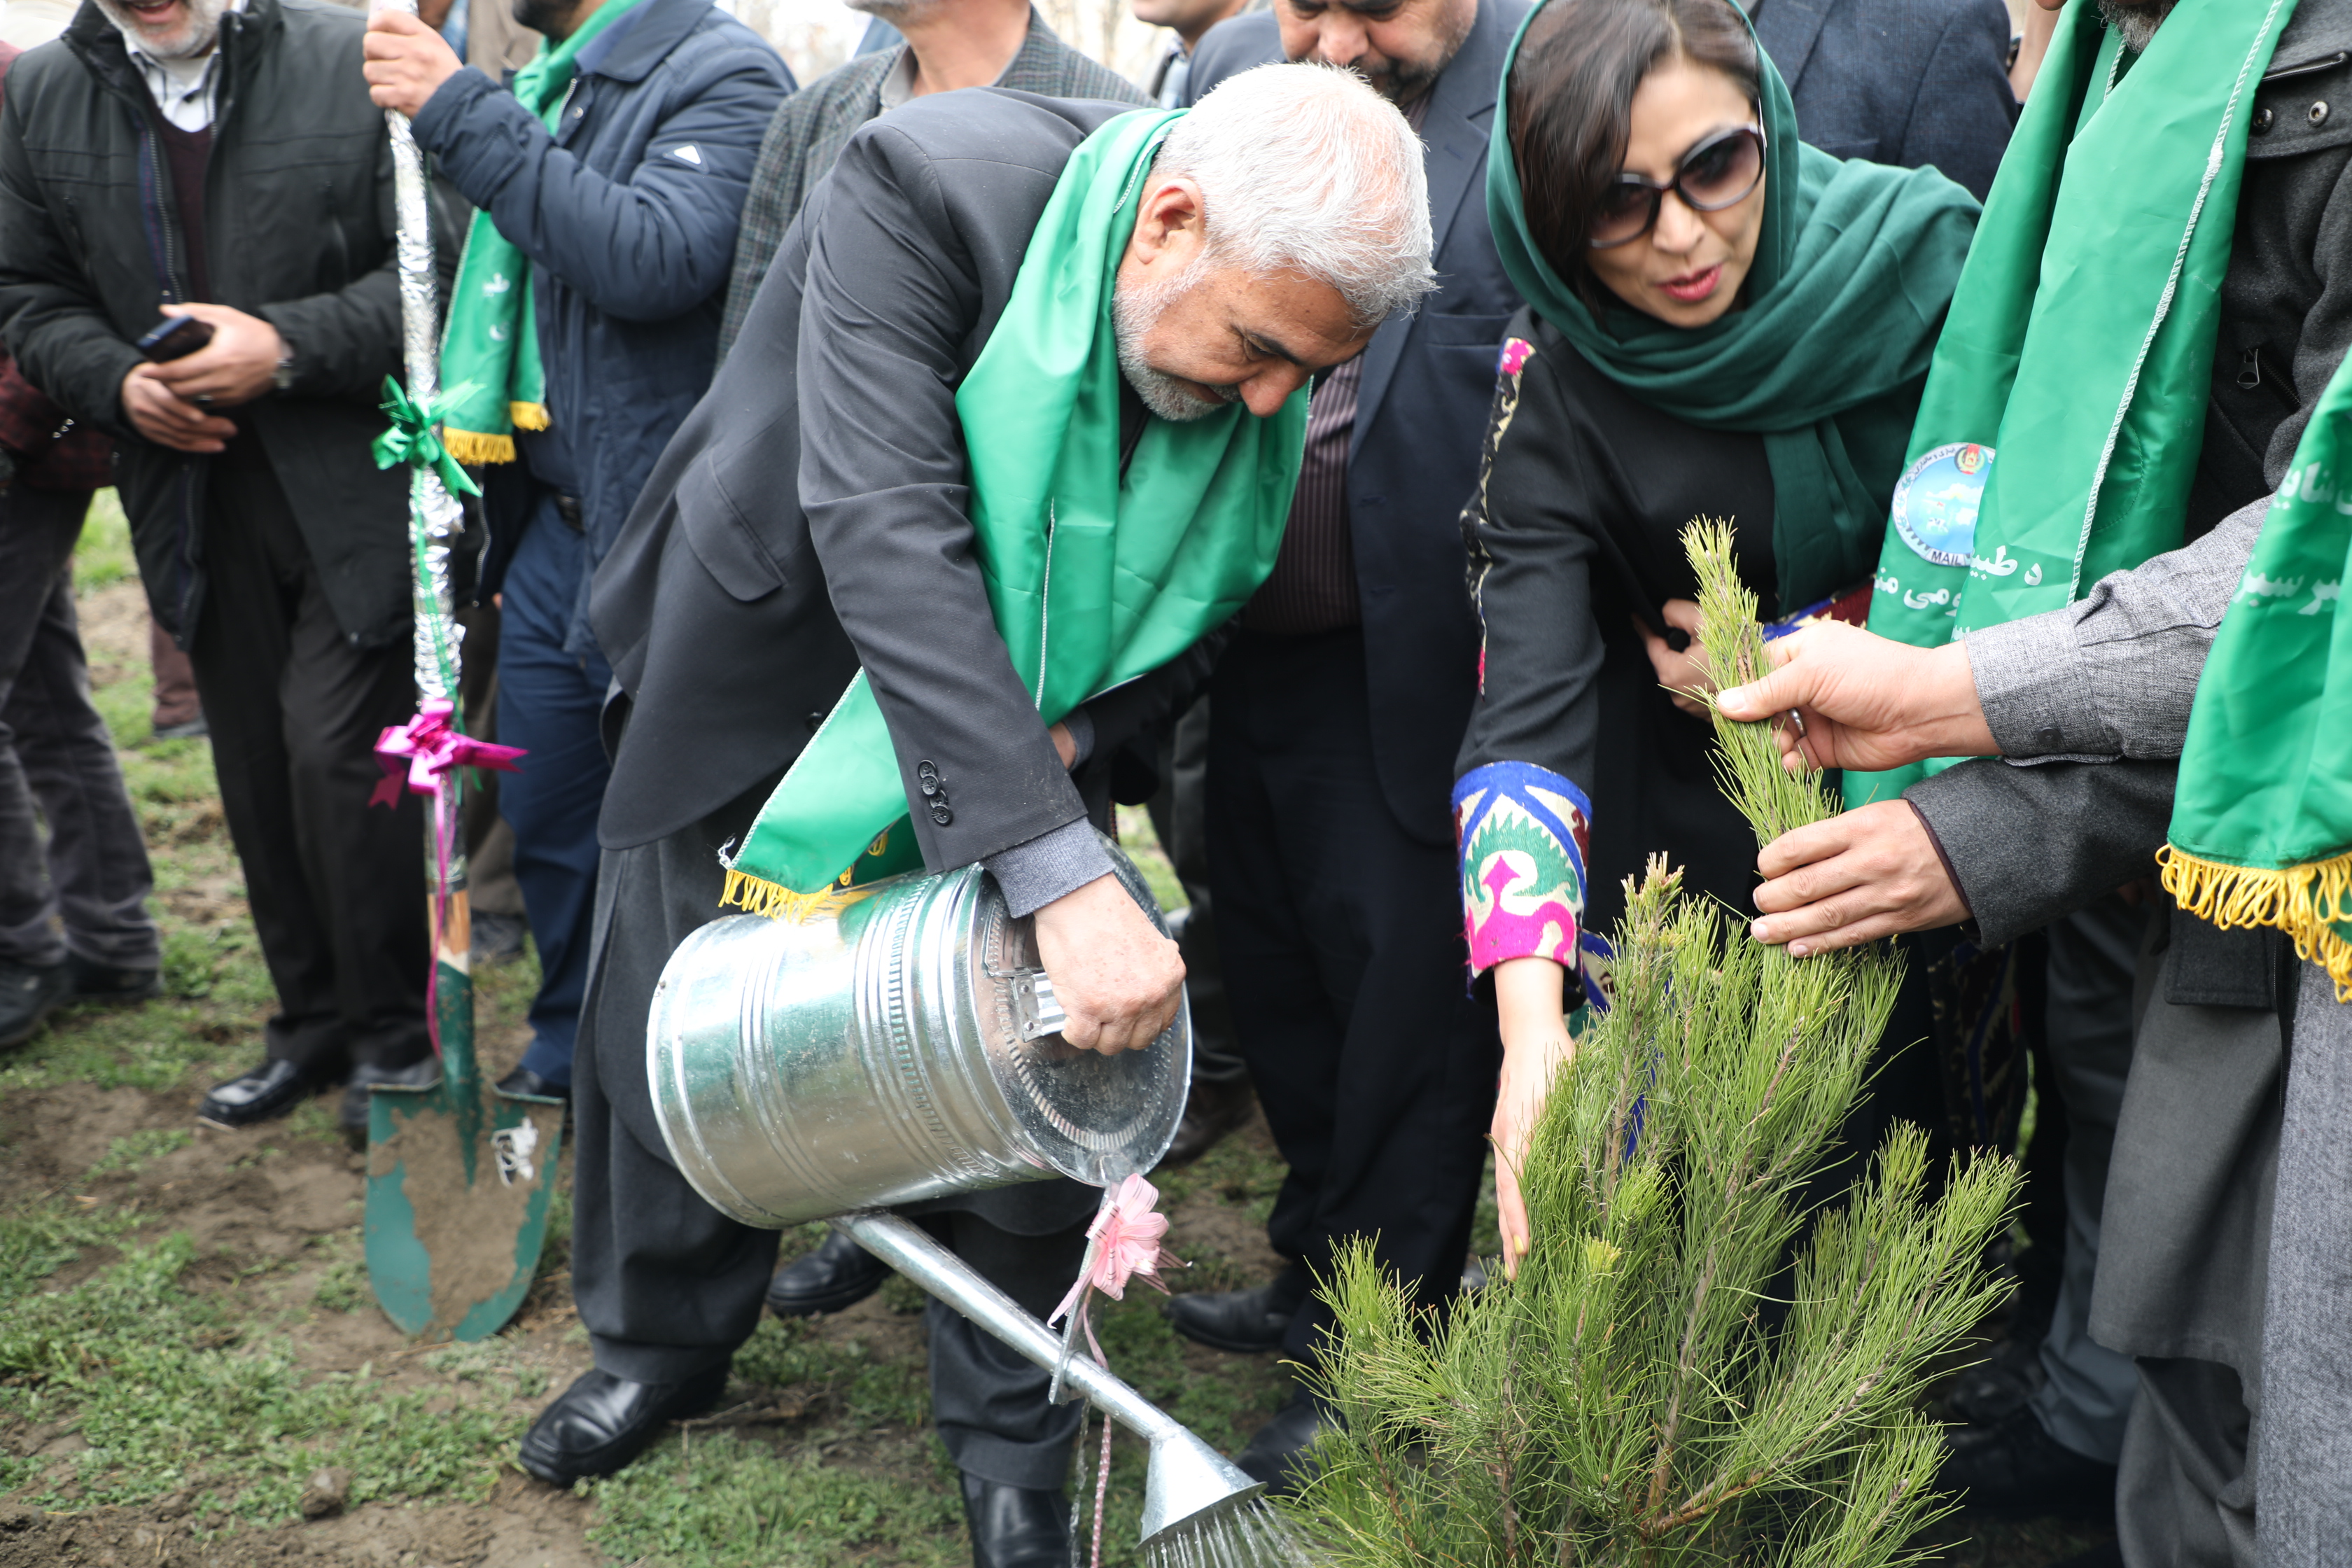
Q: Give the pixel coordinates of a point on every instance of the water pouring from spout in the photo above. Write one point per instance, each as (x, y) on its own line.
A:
(1198, 1511)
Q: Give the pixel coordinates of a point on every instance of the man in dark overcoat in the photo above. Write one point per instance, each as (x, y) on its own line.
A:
(971, 42)
(192, 160)
(811, 520)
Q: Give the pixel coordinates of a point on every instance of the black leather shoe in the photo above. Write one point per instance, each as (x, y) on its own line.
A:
(353, 1115)
(271, 1089)
(1278, 1454)
(1016, 1527)
(1247, 1323)
(28, 996)
(496, 938)
(524, 1081)
(1210, 1111)
(110, 982)
(835, 1278)
(601, 1422)
(2014, 1468)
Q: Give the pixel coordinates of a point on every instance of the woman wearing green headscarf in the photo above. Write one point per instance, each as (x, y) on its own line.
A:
(1721, 324)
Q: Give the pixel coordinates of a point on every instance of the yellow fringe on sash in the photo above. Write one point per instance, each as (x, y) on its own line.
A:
(757, 895)
(2307, 902)
(472, 448)
(475, 448)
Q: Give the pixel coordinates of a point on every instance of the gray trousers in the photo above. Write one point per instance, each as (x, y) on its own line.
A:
(2205, 1448)
(2087, 1390)
(2305, 1464)
(668, 1286)
(92, 877)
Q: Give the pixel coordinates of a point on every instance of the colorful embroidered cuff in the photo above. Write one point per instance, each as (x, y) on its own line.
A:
(1522, 830)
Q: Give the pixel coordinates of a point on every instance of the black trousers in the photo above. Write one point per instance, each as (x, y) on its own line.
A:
(85, 889)
(337, 887)
(1342, 934)
(668, 1286)
(1179, 817)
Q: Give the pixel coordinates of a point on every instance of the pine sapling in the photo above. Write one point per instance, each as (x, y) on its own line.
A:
(1661, 1386)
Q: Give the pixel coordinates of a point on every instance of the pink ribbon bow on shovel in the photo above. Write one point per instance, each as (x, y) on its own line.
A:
(1122, 1244)
(428, 747)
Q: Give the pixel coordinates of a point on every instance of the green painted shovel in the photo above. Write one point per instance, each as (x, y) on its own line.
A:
(458, 1175)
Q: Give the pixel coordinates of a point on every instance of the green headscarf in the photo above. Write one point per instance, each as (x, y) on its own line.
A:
(2063, 420)
(2262, 824)
(489, 351)
(1853, 273)
(1131, 570)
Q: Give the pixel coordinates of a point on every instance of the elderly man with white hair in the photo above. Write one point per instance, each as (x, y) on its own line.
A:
(1000, 316)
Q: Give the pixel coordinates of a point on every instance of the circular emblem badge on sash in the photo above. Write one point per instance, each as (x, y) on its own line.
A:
(1936, 501)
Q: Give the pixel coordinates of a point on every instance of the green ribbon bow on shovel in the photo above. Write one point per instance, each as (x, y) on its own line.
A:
(414, 438)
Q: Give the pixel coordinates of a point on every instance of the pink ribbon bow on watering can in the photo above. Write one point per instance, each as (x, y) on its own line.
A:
(427, 748)
(1122, 1244)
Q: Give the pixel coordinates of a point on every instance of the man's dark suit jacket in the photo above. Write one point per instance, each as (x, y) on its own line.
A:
(1420, 414)
(1923, 83)
(809, 517)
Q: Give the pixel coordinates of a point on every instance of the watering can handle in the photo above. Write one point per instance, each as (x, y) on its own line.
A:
(1036, 1006)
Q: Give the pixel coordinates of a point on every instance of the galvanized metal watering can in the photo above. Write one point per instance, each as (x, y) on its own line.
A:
(905, 1046)
(892, 1049)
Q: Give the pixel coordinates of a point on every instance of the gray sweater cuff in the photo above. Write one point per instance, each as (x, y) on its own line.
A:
(1034, 874)
(2035, 689)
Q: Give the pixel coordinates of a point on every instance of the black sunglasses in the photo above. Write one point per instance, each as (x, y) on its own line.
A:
(1718, 172)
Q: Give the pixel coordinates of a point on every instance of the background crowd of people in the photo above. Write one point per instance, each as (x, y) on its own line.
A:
(1711, 251)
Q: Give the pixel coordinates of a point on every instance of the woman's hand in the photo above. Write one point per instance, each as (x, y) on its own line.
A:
(1678, 672)
(1535, 1045)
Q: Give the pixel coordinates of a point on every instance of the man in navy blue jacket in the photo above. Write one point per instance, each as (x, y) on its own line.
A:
(629, 212)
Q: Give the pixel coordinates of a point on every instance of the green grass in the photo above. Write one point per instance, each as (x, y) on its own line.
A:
(102, 557)
(172, 1390)
(727, 1500)
(134, 1152)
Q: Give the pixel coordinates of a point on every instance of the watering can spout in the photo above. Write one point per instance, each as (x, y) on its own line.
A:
(1188, 1484)
(1188, 1487)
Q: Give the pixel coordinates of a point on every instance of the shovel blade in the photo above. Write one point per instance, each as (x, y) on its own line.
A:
(460, 1178)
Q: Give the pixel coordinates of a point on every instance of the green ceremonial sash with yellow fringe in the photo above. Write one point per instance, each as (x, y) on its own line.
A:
(489, 351)
(2059, 429)
(1127, 572)
(2261, 823)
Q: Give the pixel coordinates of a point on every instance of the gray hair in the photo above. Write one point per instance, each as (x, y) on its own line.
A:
(1303, 168)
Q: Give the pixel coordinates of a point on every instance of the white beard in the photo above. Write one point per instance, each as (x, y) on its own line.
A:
(2136, 20)
(195, 40)
(1134, 313)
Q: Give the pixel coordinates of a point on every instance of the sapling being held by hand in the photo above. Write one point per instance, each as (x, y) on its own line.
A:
(1661, 1384)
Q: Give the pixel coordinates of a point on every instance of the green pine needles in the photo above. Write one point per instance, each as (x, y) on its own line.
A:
(1663, 1385)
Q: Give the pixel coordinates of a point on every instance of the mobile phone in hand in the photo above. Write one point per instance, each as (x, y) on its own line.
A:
(176, 337)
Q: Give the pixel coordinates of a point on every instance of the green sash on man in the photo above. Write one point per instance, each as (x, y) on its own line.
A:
(489, 350)
(2261, 822)
(1094, 578)
(2063, 414)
